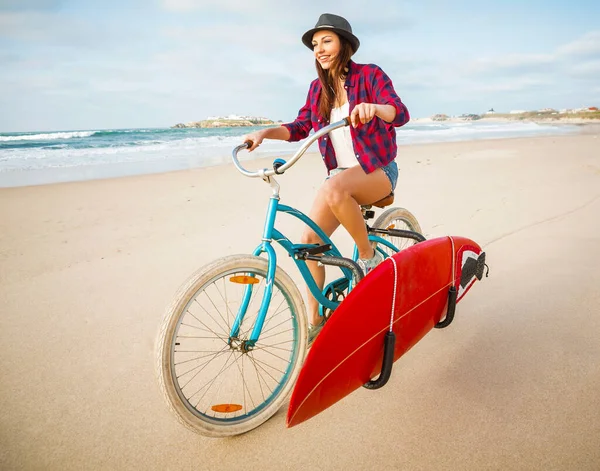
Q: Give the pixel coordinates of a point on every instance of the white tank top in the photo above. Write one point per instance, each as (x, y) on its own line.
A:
(341, 139)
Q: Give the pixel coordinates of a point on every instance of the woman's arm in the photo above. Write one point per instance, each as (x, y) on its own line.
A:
(279, 133)
(386, 95)
(389, 107)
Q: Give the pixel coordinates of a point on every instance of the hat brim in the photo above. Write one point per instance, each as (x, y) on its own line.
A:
(353, 40)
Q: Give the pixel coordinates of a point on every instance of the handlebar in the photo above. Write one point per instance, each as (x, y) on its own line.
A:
(270, 172)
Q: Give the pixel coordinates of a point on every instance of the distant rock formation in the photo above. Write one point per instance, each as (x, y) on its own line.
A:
(227, 123)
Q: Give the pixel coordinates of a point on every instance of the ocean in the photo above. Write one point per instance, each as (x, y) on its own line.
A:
(35, 158)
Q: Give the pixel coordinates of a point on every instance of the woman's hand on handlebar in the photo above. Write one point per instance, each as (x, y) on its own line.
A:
(256, 138)
(363, 113)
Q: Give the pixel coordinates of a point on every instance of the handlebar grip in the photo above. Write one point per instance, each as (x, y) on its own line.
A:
(249, 143)
(347, 120)
(277, 164)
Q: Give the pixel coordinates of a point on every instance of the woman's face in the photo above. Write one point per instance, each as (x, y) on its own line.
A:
(326, 46)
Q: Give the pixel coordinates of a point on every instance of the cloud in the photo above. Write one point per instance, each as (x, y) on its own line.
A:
(223, 5)
(292, 14)
(512, 64)
(515, 85)
(44, 28)
(588, 45)
(586, 70)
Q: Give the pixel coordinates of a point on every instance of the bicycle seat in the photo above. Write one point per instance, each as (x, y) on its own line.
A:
(382, 203)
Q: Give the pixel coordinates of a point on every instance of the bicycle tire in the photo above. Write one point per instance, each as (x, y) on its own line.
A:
(396, 217)
(172, 349)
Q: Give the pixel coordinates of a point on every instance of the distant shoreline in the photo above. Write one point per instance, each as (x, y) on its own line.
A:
(517, 118)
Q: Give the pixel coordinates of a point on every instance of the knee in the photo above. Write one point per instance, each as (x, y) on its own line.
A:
(334, 193)
(310, 237)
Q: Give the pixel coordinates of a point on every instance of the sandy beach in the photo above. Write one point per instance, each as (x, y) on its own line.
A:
(88, 268)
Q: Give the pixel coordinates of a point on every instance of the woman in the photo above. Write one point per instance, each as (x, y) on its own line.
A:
(359, 159)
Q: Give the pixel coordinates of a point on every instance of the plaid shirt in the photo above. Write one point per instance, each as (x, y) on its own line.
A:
(375, 142)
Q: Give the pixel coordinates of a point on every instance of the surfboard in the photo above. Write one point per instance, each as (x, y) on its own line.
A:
(349, 349)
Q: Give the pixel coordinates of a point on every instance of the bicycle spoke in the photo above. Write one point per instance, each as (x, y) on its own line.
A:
(270, 318)
(258, 363)
(203, 366)
(274, 327)
(198, 337)
(179, 363)
(196, 327)
(245, 387)
(192, 314)
(263, 338)
(217, 393)
(216, 309)
(210, 382)
(275, 346)
(276, 356)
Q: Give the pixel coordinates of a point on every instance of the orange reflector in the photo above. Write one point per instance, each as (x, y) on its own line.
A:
(225, 408)
(244, 280)
(391, 226)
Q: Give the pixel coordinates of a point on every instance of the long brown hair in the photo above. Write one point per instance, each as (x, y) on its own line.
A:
(329, 78)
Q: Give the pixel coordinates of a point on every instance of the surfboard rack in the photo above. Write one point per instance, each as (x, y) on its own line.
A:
(398, 233)
(386, 365)
(452, 293)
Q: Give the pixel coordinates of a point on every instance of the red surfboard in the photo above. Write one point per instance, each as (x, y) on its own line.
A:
(349, 350)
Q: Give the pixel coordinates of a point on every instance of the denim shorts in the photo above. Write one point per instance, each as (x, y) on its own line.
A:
(390, 170)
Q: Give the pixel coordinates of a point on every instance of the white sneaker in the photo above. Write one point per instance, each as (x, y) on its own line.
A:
(313, 331)
(368, 264)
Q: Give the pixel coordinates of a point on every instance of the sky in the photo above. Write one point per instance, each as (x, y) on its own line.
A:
(71, 65)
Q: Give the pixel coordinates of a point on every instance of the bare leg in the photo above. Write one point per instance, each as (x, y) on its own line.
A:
(346, 191)
(326, 220)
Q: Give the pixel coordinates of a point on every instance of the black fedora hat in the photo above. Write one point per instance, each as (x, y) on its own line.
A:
(334, 23)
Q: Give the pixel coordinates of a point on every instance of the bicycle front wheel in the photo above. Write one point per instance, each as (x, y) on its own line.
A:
(396, 218)
(215, 385)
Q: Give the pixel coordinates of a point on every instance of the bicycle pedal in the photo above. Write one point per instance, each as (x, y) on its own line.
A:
(315, 250)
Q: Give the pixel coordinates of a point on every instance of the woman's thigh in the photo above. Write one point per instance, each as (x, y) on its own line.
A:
(364, 188)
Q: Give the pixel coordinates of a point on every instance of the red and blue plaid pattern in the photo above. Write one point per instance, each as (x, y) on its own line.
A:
(375, 142)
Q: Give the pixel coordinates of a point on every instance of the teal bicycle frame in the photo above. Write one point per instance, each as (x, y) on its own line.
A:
(271, 234)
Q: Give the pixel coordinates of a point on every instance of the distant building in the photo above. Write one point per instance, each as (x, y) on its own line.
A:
(518, 112)
(490, 111)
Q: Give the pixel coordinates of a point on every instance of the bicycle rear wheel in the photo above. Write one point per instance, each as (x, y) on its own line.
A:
(214, 386)
(396, 218)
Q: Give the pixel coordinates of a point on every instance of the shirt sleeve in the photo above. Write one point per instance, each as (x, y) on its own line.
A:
(302, 125)
(386, 95)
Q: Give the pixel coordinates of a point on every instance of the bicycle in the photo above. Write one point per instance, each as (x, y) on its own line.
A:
(233, 341)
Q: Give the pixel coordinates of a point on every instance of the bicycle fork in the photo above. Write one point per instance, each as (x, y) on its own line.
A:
(264, 247)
